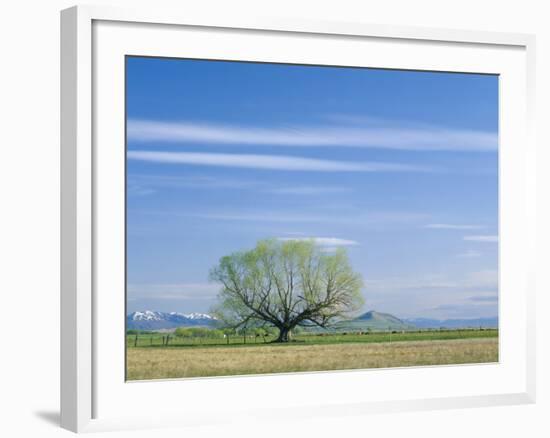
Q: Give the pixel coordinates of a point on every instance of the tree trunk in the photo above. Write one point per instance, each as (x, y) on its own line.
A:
(284, 335)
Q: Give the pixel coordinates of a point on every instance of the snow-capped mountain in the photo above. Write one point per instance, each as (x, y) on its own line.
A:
(194, 315)
(152, 320)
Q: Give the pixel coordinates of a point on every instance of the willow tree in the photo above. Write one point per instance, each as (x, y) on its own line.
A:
(286, 284)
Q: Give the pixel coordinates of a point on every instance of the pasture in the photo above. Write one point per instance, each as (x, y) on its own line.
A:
(155, 356)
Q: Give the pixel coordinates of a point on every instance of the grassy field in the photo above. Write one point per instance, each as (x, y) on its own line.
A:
(213, 357)
(159, 339)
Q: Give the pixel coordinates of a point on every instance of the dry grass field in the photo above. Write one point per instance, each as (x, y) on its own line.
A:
(161, 363)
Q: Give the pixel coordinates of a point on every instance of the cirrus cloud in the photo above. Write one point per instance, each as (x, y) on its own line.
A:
(389, 136)
(485, 238)
(453, 227)
(270, 162)
(323, 241)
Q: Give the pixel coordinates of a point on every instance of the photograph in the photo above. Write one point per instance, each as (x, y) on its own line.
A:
(287, 218)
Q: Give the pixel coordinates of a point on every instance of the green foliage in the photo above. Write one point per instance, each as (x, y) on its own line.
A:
(198, 332)
(286, 285)
(139, 332)
(260, 331)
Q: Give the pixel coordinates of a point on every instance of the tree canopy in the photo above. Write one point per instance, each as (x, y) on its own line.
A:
(286, 284)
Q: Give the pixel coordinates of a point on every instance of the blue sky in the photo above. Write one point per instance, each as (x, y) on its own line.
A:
(399, 167)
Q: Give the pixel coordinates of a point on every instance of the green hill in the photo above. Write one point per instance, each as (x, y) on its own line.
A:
(377, 321)
(372, 320)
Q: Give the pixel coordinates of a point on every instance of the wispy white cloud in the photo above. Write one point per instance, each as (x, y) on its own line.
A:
(307, 190)
(258, 217)
(139, 190)
(465, 310)
(485, 298)
(453, 227)
(485, 279)
(487, 238)
(324, 216)
(387, 135)
(469, 254)
(189, 181)
(427, 282)
(323, 241)
(270, 162)
(177, 291)
(146, 184)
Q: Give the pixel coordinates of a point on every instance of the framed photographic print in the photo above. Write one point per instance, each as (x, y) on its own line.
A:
(250, 206)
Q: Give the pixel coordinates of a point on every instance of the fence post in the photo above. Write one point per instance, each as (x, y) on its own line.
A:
(135, 341)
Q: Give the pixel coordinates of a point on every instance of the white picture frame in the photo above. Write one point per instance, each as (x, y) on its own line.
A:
(93, 40)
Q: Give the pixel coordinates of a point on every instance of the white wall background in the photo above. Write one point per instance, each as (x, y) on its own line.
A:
(29, 216)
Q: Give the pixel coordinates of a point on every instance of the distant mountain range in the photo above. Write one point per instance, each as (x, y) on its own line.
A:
(151, 320)
(454, 323)
(371, 320)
